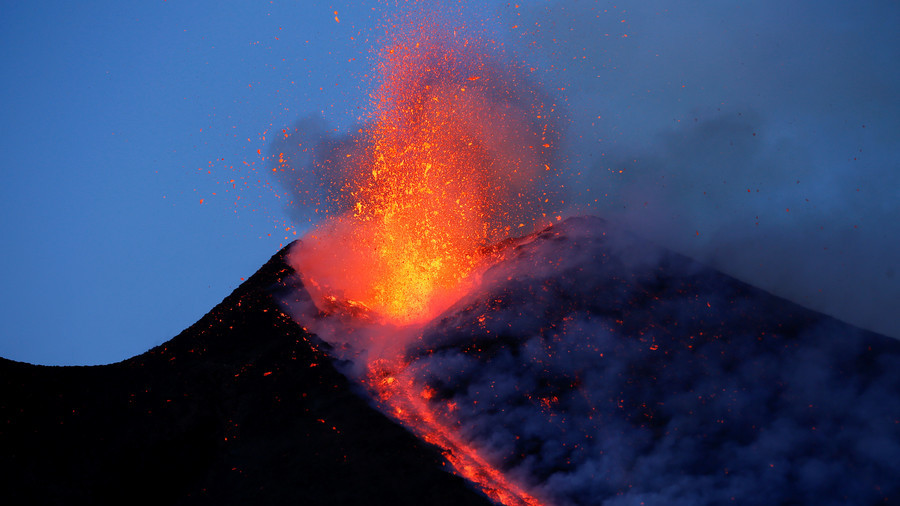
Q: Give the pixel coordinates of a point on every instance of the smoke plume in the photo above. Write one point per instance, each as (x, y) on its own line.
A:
(759, 138)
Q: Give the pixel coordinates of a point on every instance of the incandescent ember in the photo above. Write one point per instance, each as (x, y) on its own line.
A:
(457, 155)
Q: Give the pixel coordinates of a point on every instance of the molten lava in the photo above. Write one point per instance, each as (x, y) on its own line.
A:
(411, 404)
(458, 154)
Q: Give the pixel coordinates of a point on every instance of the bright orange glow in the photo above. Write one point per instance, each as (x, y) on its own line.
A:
(450, 162)
(457, 154)
(416, 412)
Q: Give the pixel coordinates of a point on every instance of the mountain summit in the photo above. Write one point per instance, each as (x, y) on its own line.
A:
(587, 366)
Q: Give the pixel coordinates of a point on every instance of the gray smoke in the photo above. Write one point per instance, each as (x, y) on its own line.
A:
(760, 138)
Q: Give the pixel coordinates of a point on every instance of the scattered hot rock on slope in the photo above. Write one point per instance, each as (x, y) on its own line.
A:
(591, 367)
(584, 366)
(243, 407)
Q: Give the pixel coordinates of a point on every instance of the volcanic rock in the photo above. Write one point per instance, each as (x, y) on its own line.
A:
(243, 407)
(589, 365)
(598, 368)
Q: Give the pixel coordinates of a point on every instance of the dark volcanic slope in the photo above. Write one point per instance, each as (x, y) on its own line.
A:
(604, 370)
(240, 408)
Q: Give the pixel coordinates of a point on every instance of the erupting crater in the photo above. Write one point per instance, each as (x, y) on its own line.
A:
(458, 154)
(579, 364)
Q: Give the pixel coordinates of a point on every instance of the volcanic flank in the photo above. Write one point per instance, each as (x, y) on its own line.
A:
(243, 407)
(410, 341)
(586, 367)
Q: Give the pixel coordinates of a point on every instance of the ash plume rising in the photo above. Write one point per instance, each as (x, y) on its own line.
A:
(434, 74)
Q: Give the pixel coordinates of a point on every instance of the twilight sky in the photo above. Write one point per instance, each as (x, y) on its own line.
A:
(133, 136)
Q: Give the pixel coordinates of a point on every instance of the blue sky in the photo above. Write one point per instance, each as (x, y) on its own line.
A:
(120, 117)
(113, 112)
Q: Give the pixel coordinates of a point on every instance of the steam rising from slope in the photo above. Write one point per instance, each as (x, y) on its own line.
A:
(591, 367)
(597, 369)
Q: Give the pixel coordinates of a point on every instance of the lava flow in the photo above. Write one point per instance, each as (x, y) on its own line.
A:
(411, 404)
(457, 154)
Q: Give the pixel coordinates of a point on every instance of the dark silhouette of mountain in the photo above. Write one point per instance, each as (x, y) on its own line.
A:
(243, 407)
(594, 366)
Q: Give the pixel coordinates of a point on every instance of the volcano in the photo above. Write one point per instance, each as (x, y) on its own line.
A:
(243, 407)
(585, 366)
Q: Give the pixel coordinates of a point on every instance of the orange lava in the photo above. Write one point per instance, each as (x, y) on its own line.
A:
(411, 405)
(454, 158)
(457, 155)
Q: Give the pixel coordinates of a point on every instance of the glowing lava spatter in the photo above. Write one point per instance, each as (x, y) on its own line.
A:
(426, 222)
(458, 155)
(411, 404)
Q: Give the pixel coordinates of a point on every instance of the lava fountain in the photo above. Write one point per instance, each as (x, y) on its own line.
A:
(457, 154)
